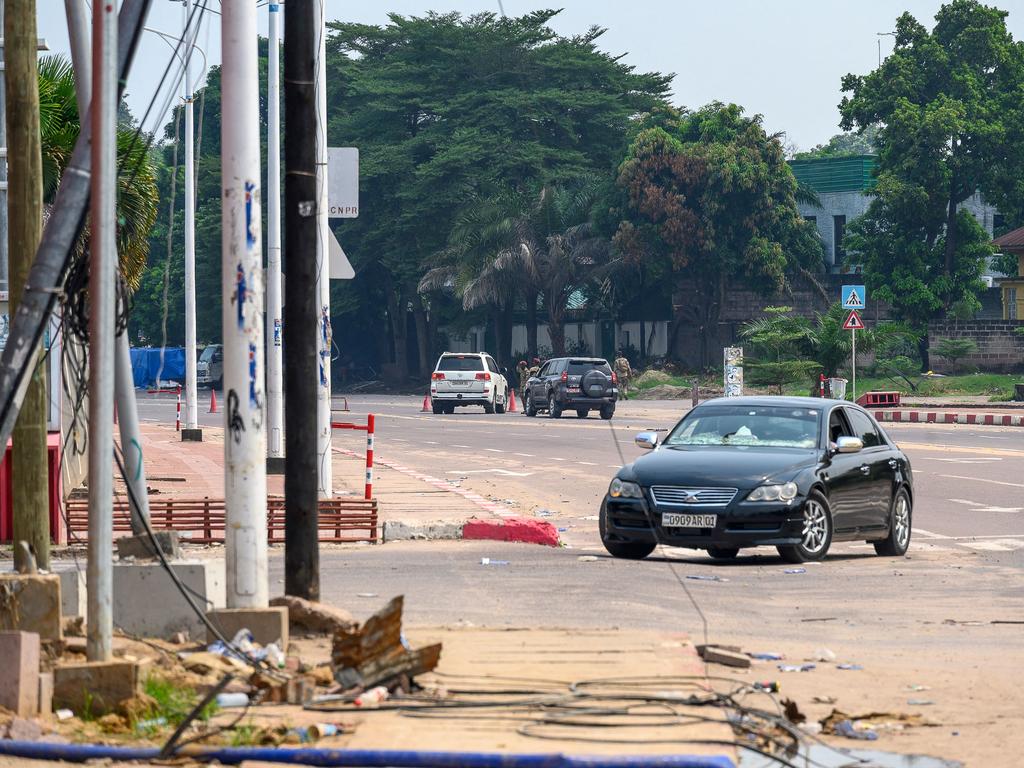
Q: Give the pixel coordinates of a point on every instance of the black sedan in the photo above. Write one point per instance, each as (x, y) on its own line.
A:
(796, 473)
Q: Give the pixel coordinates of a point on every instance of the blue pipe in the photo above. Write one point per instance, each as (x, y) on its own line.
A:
(361, 758)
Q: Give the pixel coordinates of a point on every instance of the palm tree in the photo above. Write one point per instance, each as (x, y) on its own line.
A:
(137, 195)
(540, 246)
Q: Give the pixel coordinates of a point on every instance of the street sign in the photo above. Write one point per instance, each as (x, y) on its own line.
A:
(733, 371)
(337, 261)
(854, 322)
(342, 182)
(854, 296)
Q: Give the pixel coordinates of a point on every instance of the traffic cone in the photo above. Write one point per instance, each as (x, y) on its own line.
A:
(213, 400)
(512, 401)
(426, 404)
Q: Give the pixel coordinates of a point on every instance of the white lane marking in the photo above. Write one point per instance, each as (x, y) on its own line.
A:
(979, 507)
(527, 455)
(614, 466)
(930, 534)
(487, 472)
(985, 480)
(456, 445)
(494, 450)
(587, 463)
(556, 458)
(974, 460)
(431, 442)
(997, 545)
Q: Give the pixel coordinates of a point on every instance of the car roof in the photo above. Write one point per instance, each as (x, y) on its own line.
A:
(579, 359)
(811, 403)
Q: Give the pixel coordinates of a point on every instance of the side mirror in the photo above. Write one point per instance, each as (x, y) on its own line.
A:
(647, 440)
(848, 444)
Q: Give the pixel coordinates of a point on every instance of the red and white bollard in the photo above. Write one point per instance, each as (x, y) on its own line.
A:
(177, 419)
(369, 456)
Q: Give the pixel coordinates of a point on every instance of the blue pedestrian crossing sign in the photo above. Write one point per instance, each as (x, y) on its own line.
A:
(854, 296)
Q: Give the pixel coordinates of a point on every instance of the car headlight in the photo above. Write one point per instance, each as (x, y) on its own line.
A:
(784, 492)
(623, 489)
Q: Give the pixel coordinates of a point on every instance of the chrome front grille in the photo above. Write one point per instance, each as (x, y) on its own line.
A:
(672, 496)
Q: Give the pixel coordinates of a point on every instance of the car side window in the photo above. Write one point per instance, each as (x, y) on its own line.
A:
(491, 365)
(864, 429)
(838, 426)
(544, 371)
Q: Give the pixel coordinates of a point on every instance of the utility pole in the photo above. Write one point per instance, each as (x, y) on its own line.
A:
(191, 430)
(25, 207)
(4, 279)
(323, 400)
(301, 549)
(245, 449)
(102, 300)
(124, 387)
(275, 393)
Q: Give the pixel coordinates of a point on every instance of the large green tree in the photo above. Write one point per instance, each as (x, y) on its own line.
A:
(444, 110)
(947, 108)
(710, 200)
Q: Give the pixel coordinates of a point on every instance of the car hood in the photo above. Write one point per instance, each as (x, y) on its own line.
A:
(733, 466)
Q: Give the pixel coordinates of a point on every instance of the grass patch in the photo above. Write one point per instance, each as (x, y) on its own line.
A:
(172, 702)
(997, 386)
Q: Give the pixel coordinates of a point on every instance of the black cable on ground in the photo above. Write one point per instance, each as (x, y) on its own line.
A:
(170, 746)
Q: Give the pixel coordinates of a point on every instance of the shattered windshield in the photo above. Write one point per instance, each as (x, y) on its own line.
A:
(765, 426)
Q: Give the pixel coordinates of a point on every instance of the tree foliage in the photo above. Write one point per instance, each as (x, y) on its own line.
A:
(847, 144)
(710, 198)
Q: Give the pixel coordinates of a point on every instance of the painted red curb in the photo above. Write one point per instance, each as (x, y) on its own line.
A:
(945, 417)
(512, 529)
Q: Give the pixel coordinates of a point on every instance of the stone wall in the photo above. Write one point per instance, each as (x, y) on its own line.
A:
(1000, 348)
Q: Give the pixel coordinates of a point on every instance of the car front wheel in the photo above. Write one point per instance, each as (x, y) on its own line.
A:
(898, 540)
(816, 532)
(626, 550)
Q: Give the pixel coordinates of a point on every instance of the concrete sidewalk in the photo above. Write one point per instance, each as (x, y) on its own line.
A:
(411, 504)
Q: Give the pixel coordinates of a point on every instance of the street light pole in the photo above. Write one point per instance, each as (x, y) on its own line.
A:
(323, 400)
(102, 331)
(245, 450)
(275, 390)
(191, 430)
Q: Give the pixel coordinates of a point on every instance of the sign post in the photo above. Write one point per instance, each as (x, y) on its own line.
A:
(733, 371)
(854, 298)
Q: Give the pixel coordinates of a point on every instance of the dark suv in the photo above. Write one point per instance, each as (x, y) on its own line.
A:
(582, 384)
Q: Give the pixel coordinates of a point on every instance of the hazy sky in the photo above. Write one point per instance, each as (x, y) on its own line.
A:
(782, 59)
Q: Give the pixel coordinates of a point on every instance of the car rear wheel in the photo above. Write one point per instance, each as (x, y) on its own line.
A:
(449, 409)
(489, 405)
(529, 408)
(554, 410)
(607, 411)
(723, 553)
(898, 540)
(626, 550)
(500, 407)
(437, 408)
(582, 413)
(817, 532)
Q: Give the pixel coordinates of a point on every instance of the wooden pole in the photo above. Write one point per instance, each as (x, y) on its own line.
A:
(25, 219)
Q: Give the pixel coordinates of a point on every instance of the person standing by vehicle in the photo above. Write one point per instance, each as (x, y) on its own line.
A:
(522, 376)
(624, 373)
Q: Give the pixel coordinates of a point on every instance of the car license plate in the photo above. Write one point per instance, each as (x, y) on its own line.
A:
(574, 389)
(678, 520)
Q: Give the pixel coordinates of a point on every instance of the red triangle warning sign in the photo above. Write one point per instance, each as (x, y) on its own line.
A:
(854, 322)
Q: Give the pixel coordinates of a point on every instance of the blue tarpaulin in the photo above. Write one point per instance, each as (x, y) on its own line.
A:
(146, 365)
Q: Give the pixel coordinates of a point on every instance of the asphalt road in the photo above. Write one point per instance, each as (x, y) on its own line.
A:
(969, 480)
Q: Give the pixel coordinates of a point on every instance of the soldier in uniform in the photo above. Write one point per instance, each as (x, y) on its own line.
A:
(523, 374)
(624, 373)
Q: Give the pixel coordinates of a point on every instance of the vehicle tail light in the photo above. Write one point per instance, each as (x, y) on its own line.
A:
(615, 378)
(437, 376)
(483, 377)
(565, 375)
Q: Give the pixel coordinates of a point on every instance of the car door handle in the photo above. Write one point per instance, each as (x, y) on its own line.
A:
(864, 468)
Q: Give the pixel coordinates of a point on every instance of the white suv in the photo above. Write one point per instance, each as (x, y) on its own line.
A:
(467, 378)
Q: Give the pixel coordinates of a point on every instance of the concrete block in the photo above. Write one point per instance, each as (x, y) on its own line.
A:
(191, 435)
(400, 530)
(512, 529)
(268, 625)
(141, 548)
(19, 673)
(73, 595)
(31, 603)
(147, 602)
(45, 693)
(95, 688)
(728, 655)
